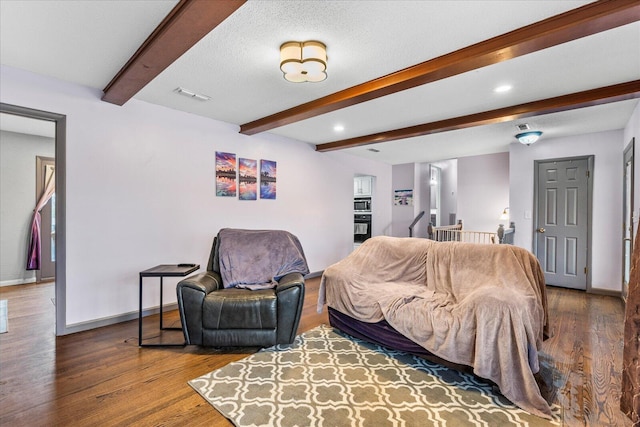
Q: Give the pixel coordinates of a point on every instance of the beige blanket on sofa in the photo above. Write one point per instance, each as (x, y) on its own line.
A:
(479, 305)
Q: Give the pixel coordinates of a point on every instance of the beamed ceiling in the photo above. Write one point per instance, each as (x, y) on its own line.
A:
(413, 80)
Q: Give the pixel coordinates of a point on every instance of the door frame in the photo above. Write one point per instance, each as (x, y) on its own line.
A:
(629, 152)
(41, 163)
(60, 121)
(590, 162)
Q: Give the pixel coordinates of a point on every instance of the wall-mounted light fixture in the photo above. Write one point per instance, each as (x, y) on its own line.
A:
(303, 61)
(528, 138)
(504, 216)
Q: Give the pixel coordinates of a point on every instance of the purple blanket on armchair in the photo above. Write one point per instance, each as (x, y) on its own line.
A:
(256, 259)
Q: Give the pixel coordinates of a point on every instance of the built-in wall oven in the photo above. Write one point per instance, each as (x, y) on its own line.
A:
(361, 227)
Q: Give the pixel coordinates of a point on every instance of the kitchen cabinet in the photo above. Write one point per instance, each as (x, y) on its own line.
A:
(362, 185)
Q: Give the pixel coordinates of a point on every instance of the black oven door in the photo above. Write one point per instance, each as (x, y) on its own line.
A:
(361, 227)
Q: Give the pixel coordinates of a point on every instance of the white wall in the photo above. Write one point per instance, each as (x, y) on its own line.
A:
(422, 199)
(483, 190)
(402, 215)
(141, 192)
(17, 199)
(607, 196)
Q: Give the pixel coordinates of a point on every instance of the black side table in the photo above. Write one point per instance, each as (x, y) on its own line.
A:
(163, 270)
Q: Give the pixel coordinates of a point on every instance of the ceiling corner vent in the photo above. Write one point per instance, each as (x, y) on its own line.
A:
(523, 127)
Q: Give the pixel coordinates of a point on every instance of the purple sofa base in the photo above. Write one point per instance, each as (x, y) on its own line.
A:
(382, 333)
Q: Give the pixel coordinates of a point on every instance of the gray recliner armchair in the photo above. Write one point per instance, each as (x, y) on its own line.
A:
(251, 294)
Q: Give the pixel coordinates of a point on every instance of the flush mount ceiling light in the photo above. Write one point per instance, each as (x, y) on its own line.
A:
(303, 61)
(528, 138)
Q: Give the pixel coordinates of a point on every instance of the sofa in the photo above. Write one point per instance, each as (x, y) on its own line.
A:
(482, 306)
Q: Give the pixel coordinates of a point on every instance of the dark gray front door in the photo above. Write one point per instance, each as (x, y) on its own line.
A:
(562, 221)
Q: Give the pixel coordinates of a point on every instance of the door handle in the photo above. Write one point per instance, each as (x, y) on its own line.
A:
(540, 230)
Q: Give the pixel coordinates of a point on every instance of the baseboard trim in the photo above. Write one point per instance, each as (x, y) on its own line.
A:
(314, 274)
(107, 321)
(605, 292)
(17, 282)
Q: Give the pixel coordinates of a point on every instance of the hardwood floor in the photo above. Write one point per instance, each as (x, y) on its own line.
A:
(584, 356)
(101, 377)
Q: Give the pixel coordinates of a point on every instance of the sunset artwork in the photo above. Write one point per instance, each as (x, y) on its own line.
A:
(225, 174)
(267, 179)
(248, 178)
(403, 197)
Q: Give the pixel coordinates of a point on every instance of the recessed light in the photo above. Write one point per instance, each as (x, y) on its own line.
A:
(338, 128)
(502, 88)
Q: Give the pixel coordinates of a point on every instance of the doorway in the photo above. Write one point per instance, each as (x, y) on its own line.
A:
(60, 122)
(563, 220)
(435, 183)
(627, 220)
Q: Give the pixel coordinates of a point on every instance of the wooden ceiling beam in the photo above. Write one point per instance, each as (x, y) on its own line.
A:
(588, 98)
(187, 23)
(577, 23)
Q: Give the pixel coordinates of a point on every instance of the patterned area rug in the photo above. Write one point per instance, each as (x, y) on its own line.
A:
(329, 379)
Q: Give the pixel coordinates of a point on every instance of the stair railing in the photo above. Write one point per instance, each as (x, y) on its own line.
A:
(415, 221)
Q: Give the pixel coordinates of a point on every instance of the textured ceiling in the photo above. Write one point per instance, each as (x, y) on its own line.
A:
(84, 42)
(237, 64)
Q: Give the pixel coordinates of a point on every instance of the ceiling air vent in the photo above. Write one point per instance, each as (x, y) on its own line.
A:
(373, 150)
(191, 94)
(523, 127)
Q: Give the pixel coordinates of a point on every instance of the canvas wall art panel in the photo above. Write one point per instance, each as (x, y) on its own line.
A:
(248, 179)
(226, 184)
(268, 179)
(403, 197)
